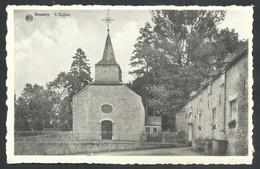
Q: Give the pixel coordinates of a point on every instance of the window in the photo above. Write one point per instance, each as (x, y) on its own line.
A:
(106, 108)
(233, 110)
(147, 129)
(200, 118)
(213, 115)
(155, 130)
(214, 118)
(190, 117)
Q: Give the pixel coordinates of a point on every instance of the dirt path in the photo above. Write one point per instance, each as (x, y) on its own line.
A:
(182, 151)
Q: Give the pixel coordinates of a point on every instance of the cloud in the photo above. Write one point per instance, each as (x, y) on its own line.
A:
(47, 51)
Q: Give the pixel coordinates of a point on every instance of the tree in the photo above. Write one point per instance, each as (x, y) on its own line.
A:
(33, 109)
(68, 84)
(179, 52)
(143, 61)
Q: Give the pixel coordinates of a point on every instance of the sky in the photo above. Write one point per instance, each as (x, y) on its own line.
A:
(44, 47)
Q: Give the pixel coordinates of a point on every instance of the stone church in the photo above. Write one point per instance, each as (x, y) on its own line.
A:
(107, 109)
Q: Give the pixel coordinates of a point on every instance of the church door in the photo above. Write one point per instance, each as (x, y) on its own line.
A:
(106, 130)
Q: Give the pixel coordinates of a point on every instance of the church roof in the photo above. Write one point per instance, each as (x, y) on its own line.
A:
(108, 55)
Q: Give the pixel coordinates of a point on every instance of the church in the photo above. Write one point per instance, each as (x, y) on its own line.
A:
(106, 109)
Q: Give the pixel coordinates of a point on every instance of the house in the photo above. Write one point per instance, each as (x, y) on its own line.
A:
(218, 111)
(153, 125)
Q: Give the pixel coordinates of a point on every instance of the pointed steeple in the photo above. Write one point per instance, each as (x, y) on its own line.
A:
(108, 55)
(107, 70)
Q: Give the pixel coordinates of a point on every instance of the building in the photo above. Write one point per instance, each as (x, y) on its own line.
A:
(106, 109)
(153, 125)
(218, 112)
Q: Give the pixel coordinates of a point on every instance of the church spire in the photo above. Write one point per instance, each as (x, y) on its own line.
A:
(108, 55)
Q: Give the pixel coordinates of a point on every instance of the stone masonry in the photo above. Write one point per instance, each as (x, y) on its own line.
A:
(106, 109)
(220, 100)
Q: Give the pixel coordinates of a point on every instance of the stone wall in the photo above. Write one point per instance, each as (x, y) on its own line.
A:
(197, 120)
(173, 137)
(107, 74)
(127, 116)
(67, 148)
(237, 89)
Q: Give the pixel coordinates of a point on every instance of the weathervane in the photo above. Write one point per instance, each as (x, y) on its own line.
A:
(108, 20)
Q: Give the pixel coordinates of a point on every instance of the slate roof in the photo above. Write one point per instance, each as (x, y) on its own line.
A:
(108, 55)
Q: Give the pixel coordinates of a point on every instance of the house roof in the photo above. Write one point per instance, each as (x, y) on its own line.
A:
(231, 59)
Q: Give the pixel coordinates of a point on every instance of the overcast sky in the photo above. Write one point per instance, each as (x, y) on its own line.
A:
(44, 47)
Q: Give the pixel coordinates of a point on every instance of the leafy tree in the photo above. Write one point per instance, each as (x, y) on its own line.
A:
(143, 61)
(33, 109)
(179, 52)
(38, 107)
(68, 84)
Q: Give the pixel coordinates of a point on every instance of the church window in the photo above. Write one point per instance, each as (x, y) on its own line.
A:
(106, 108)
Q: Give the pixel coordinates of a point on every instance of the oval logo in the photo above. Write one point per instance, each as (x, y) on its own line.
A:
(29, 18)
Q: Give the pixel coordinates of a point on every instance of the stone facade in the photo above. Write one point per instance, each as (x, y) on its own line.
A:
(218, 111)
(107, 74)
(106, 109)
(127, 116)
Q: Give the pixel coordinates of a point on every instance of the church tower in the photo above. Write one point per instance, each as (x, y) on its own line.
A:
(107, 70)
(107, 109)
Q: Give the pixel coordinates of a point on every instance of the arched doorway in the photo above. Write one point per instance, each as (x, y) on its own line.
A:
(106, 130)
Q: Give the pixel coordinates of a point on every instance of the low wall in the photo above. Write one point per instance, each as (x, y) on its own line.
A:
(173, 137)
(66, 148)
(47, 137)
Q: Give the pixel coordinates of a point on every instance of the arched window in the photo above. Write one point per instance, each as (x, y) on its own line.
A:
(106, 130)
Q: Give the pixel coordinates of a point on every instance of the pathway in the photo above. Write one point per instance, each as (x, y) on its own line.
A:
(181, 151)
